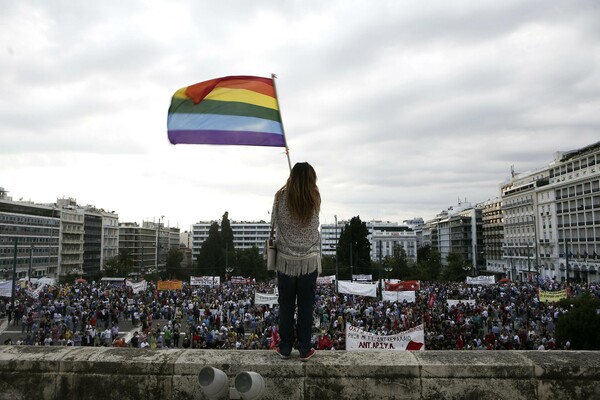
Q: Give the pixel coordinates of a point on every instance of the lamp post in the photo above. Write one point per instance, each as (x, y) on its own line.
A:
(14, 273)
(336, 255)
(351, 266)
(157, 239)
(229, 270)
(30, 264)
(387, 270)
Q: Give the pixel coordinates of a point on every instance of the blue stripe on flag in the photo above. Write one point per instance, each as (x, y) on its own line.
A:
(182, 122)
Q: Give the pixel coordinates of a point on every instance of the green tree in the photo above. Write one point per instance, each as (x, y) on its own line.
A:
(581, 324)
(327, 265)
(119, 266)
(210, 259)
(455, 271)
(428, 263)
(249, 263)
(227, 240)
(399, 265)
(173, 266)
(354, 249)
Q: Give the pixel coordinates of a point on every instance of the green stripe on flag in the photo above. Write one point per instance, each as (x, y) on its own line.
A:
(187, 106)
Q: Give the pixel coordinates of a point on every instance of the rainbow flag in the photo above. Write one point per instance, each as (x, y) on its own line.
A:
(234, 110)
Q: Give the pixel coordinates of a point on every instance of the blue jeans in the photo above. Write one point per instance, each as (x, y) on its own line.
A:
(292, 289)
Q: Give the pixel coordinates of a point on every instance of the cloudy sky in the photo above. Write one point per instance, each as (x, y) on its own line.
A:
(402, 107)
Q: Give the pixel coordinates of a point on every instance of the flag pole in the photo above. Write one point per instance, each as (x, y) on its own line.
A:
(287, 150)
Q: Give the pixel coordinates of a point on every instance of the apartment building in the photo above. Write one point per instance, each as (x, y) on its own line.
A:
(459, 229)
(493, 236)
(35, 232)
(245, 235)
(72, 219)
(552, 219)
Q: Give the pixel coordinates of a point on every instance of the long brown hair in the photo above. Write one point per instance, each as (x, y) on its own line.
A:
(302, 193)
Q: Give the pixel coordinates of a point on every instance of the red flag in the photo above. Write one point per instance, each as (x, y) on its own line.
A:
(431, 300)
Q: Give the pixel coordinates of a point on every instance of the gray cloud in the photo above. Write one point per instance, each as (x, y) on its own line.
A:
(402, 108)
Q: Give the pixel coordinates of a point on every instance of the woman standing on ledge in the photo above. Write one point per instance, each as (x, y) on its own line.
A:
(295, 218)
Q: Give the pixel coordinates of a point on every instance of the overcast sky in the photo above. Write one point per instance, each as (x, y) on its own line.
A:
(402, 107)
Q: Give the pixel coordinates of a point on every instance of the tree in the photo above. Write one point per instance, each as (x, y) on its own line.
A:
(327, 265)
(227, 240)
(173, 266)
(399, 265)
(455, 270)
(354, 248)
(428, 263)
(210, 259)
(581, 324)
(121, 265)
(249, 263)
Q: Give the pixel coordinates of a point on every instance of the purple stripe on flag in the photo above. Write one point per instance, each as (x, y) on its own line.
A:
(243, 138)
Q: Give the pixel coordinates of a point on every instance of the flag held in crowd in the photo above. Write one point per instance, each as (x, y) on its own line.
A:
(232, 110)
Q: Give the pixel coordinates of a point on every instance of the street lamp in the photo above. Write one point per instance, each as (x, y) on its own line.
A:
(229, 270)
(157, 239)
(387, 270)
(336, 255)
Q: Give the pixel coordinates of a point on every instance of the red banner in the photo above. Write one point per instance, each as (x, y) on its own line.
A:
(403, 285)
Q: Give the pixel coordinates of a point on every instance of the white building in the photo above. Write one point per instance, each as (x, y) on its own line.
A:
(552, 218)
(110, 237)
(37, 229)
(71, 237)
(384, 236)
(245, 235)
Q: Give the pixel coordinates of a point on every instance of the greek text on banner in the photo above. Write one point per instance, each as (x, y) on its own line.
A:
(412, 339)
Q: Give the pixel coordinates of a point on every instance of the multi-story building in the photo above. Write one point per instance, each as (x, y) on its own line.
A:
(552, 218)
(35, 229)
(385, 237)
(71, 237)
(493, 236)
(458, 230)
(568, 210)
(110, 237)
(92, 241)
(245, 235)
(330, 234)
(140, 243)
(519, 210)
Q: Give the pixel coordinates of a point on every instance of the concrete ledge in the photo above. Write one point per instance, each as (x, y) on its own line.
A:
(94, 372)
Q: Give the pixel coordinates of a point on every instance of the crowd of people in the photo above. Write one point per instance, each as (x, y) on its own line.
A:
(495, 317)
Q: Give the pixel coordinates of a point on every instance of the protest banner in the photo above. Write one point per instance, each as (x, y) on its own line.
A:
(325, 280)
(398, 296)
(266, 298)
(169, 285)
(481, 280)
(362, 277)
(205, 281)
(412, 339)
(137, 287)
(6, 289)
(551, 297)
(360, 289)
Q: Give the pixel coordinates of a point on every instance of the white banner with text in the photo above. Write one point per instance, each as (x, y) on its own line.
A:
(360, 289)
(392, 295)
(412, 339)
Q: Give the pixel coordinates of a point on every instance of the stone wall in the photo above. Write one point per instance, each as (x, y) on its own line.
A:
(126, 374)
